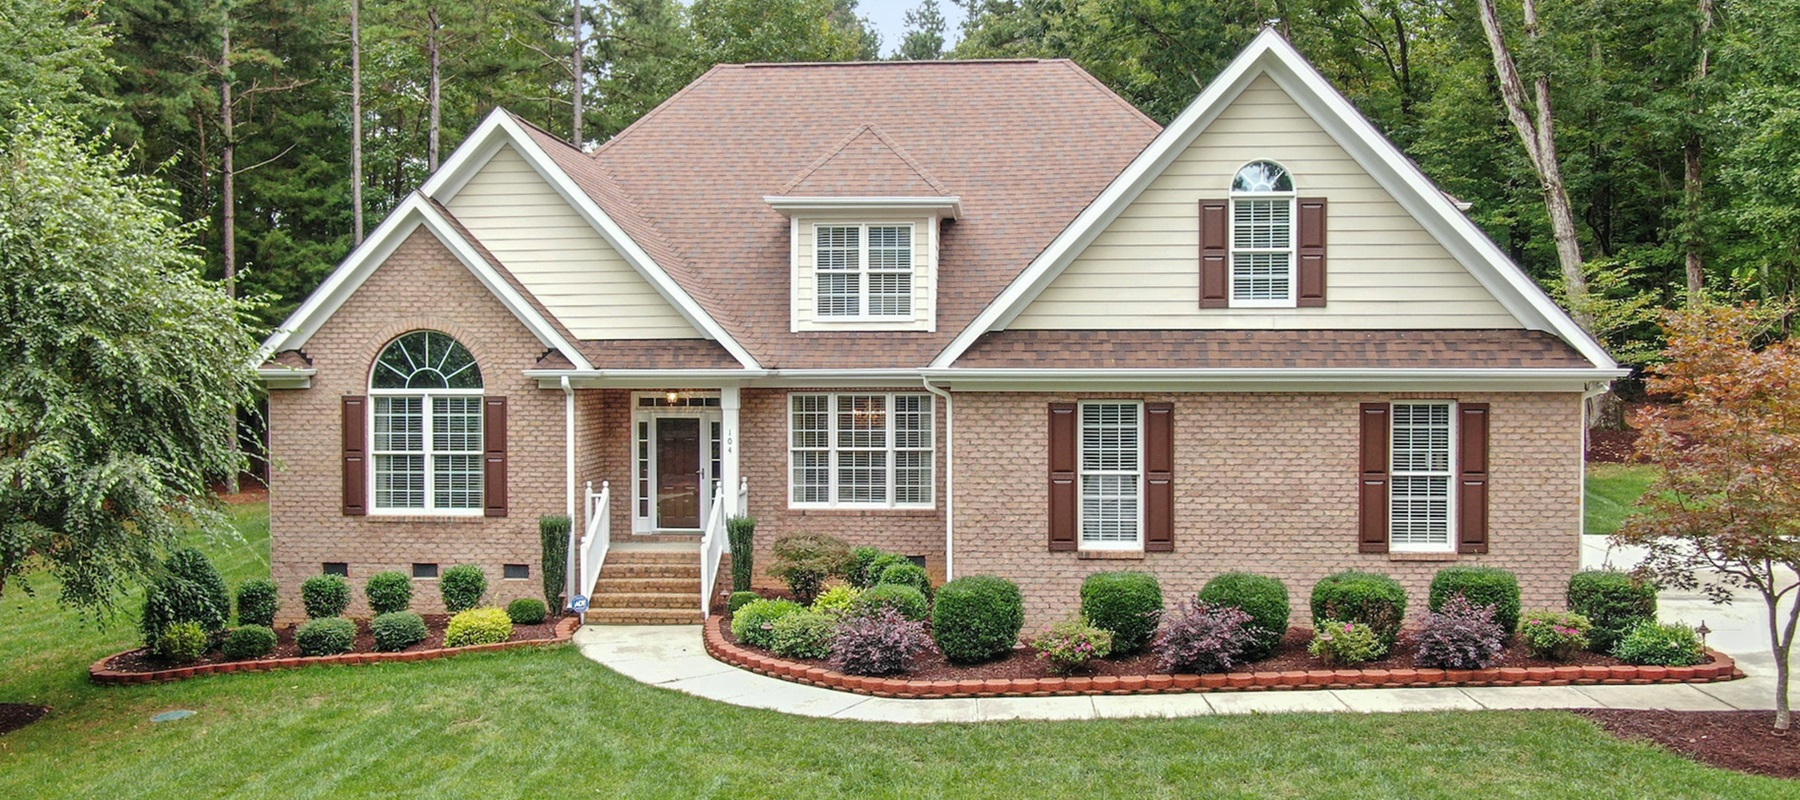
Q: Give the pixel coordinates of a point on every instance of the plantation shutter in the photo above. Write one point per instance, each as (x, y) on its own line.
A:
(1310, 291)
(356, 466)
(1159, 473)
(1215, 254)
(1063, 465)
(1472, 474)
(1372, 500)
(493, 437)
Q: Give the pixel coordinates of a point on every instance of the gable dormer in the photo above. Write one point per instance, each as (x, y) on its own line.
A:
(864, 222)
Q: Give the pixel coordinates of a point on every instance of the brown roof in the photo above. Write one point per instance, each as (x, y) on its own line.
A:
(646, 354)
(1267, 349)
(864, 164)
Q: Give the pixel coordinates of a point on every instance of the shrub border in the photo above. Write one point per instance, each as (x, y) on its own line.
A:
(99, 673)
(1722, 668)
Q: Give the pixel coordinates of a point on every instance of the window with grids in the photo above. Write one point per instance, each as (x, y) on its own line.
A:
(863, 270)
(1112, 475)
(860, 450)
(425, 398)
(1421, 462)
(1262, 236)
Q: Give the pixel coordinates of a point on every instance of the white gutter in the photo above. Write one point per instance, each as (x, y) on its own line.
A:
(949, 479)
(569, 448)
(1248, 374)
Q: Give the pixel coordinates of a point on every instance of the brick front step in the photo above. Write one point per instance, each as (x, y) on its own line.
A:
(634, 557)
(639, 600)
(609, 585)
(688, 571)
(645, 616)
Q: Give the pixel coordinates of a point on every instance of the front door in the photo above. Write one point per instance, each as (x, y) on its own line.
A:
(678, 470)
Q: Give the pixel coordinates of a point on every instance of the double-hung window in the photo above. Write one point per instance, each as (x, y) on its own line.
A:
(1111, 453)
(860, 450)
(1262, 237)
(426, 440)
(1419, 502)
(863, 271)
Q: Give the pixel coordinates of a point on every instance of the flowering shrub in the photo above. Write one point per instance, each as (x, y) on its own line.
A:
(836, 600)
(880, 643)
(1671, 645)
(1202, 637)
(754, 623)
(806, 634)
(1555, 635)
(1340, 642)
(1461, 636)
(1069, 645)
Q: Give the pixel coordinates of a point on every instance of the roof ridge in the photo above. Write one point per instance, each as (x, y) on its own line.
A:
(1107, 90)
(935, 62)
(849, 139)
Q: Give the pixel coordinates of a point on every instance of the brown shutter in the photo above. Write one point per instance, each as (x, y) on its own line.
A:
(1062, 476)
(1372, 534)
(1159, 473)
(356, 466)
(1215, 254)
(1472, 484)
(493, 437)
(1310, 291)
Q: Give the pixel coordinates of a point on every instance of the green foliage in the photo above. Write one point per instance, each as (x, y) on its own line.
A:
(181, 642)
(1127, 605)
(1614, 602)
(1484, 586)
(553, 538)
(51, 53)
(246, 642)
(257, 601)
(806, 560)
(397, 630)
(1352, 596)
(1666, 645)
(194, 567)
(389, 592)
(1264, 598)
(325, 596)
(910, 602)
(740, 533)
(1069, 645)
(1555, 635)
(804, 634)
(837, 600)
(478, 626)
(977, 618)
(1340, 642)
(325, 636)
(908, 574)
(861, 558)
(527, 611)
(740, 31)
(188, 590)
(740, 599)
(462, 587)
(924, 39)
(871, 574)
(754, 622)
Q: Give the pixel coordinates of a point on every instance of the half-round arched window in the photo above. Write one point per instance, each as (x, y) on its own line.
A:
(425, 398)
(1262, 236)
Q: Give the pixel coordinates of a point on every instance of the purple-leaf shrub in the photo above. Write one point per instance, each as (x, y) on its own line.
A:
(882, 642)
(1202, 637)
(1461, 635)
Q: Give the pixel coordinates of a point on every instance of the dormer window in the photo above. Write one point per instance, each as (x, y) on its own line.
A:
(1262, 236)
(864, 271)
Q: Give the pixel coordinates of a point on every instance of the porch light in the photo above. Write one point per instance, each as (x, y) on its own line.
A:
(673, 397)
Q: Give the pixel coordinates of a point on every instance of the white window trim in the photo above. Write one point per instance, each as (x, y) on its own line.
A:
(430, 509)
(891, 449)
(646, 523)
(1081, 475)
(1292, 251)
(1450, 526)
(863, 271)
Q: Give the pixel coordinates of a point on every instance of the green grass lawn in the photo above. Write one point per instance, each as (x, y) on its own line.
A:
(1611, 491)
(549, 723)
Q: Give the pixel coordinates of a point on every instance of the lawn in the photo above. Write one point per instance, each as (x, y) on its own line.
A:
(1611, 491)
(544, 723)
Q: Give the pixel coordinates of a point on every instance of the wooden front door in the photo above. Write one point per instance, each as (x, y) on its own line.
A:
(678, 472)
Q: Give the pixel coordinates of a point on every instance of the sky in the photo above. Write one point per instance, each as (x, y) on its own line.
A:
(889, 17)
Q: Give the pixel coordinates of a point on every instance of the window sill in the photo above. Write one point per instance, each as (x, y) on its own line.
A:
(1109, 555)
(902, 511)
(415, 519)
(1425, 556)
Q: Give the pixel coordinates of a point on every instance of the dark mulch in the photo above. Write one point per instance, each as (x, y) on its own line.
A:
(1743, 741)
(1611, 447)
(14, 716)
(140, 660)
(1292, 655)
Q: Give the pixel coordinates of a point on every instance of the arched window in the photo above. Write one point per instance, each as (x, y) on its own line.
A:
(425, 395)
(1262, 236)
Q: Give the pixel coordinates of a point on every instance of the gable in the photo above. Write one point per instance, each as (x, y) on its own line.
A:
(1385, 270)
(578, 277)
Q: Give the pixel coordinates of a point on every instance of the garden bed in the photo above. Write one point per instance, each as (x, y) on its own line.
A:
(1744, 741)
(14, 716)
(138, 666)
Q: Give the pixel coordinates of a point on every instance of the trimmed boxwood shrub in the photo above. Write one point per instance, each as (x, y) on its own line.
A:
(180, 643)
(861, 557)
(462, 587)
(187, 590)
(478, 626)
(192, 565)
(910, 602)
(1670, 645)
(1264, 598)
(1615, 602)
(806, 634)
(325, 636)
(1354, 596)
(257, 601)
(1484, 586)
(1128, 605)
(754, 624)
(907, 574)
(389, 592)
(526, 611)
(325, 596)
(397, 630)
(553, 541)
(249, 641)
(977, 618)
(740, 533)
(740, 599)
(881, 564)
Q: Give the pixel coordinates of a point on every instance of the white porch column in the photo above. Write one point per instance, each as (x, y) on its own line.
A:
(730, 401)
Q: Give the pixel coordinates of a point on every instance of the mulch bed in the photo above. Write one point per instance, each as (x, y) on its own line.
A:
(1743, 741)
(140, 660)
(14, 716)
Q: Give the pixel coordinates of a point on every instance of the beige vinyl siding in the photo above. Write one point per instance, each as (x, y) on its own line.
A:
(1383, 270)
(571, 269)
(924, 276)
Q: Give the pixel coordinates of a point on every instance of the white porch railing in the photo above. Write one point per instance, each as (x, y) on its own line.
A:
(597, 539)
(712, 546)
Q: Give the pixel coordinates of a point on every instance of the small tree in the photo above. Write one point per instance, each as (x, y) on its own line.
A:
(1728, 501)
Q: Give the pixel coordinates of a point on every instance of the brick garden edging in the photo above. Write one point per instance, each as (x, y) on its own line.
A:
(1722, 668)
(98, 672)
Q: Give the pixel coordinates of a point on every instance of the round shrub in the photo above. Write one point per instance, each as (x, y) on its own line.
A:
(180, 643)
(249, 641)
(754, 624)
(740, 599)
(977, 618)
(478, 626)
(806, 634)
(1069, 645)
(1201, 637)
(1664, 645)
(1353, 596)
(1264, 598)
(325, 596)
(837, 599)
(1615, 602)
(462, 587)
(882, 643)
(1484, 586)
(861, 558)
(910, 602)
(1462, 635)
(1339, 642)
(389, 592)
(171, 600)
(193, 566)
(527, 611)
(1128, 605)
(881, 564)
(397, 630)
(257, 601)
(325, 636)
(907, 574)
(806, 560)
(1555, 635)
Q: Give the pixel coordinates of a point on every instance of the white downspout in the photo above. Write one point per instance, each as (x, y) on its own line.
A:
(569, 449)
(949, 479)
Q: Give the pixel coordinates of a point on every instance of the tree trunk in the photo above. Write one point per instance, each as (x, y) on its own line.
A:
(356, 121)
(228, 200)
(434, 101)
(1782, 643)
(580, 40)
(1693, 195)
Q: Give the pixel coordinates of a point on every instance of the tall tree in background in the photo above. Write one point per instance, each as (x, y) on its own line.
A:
(578, 73)
(643, 53)
(1693, 195)
(356, 122)
(924, 40)
(743, 31)
(51, 53)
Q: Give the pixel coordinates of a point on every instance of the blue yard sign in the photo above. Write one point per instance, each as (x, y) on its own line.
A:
(579, 605)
